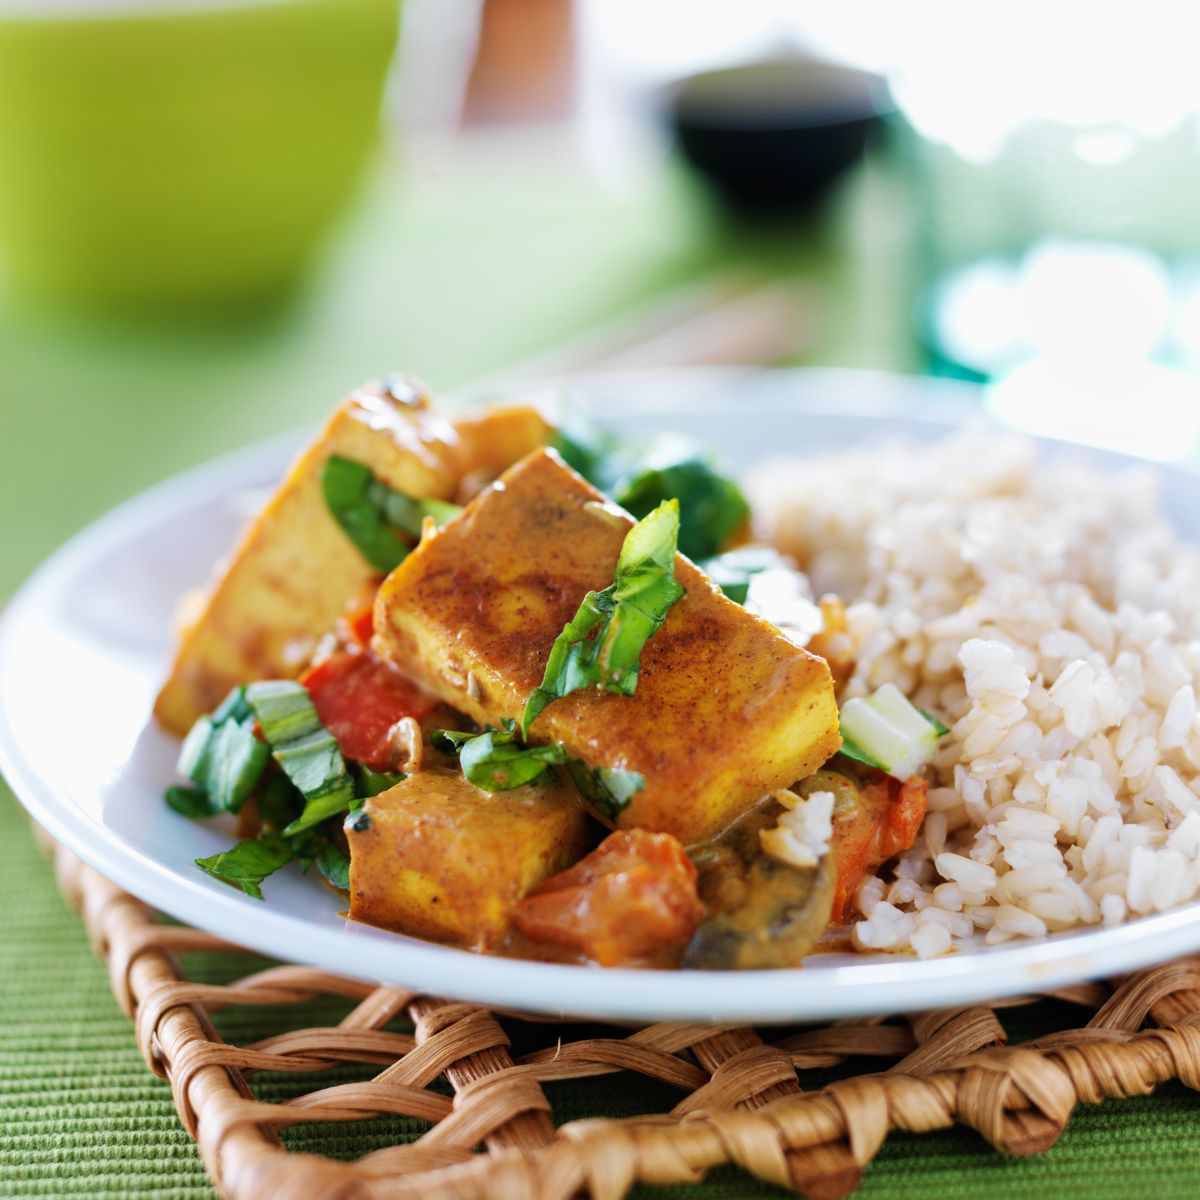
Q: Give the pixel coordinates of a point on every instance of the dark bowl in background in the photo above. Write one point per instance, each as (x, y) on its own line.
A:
(772, 137)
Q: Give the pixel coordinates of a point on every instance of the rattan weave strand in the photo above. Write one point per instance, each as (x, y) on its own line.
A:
(740, 1097)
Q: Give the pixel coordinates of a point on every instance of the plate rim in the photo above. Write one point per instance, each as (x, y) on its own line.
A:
(763, 997)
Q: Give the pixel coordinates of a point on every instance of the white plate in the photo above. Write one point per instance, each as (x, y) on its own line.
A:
(85, 643)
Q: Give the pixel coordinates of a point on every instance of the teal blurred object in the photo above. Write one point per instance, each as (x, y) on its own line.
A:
(181, 154)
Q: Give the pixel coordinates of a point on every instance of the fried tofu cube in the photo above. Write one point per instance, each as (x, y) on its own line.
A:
(726, 709)
(495, 438)
(295, 570)
(438, 858)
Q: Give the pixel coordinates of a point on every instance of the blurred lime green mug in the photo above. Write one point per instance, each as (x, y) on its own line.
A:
(181, 152)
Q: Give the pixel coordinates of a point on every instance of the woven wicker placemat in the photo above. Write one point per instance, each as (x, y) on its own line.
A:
(491, 1132)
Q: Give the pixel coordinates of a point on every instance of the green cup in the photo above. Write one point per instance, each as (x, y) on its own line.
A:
(181, 153)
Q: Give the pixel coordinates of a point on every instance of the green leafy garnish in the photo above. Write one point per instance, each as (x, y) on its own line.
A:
(191, 802)
(371, 783)
(304, 748)
(586, 449)
(334, 863)
(495, 760)
(712, 507)
(732, 571)
(222, 755)
(382, 522)
(279, 803)
(608, 789)
(247, 864)
(602, 645)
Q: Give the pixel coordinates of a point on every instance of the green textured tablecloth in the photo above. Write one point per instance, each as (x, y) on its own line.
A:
(449, 275)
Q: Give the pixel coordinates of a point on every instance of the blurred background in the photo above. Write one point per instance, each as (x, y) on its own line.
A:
(218, 216)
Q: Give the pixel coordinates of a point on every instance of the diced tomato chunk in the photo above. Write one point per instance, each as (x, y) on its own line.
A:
(631, 900)
(356, 627)
(359, 698)
(883, 825)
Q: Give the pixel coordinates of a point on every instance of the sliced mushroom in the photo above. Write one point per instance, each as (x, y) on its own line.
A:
(765, 913)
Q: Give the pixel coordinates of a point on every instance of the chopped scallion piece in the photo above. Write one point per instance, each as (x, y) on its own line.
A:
(602, 645)
(222, 755)
(304, 748)
(886, 731)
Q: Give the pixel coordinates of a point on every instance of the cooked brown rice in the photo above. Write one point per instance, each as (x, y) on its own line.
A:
(1051, 617)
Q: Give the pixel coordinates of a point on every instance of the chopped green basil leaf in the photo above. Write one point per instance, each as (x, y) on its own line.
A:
(191, 802)
(279, 803)
(586, 449)
(712, 507)
(304, 748)
(222, 755)
(495, 761)
(247, 864)
(602, 645)
(450, 741)
(379, 520)
(371, 783)
(334, 863)
(609, 790)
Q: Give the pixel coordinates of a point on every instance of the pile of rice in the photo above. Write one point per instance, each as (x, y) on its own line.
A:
(1051, 617)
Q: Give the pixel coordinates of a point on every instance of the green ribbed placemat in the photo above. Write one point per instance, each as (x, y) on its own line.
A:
(80, 1115)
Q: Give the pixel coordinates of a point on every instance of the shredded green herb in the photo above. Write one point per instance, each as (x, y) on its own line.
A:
(495, 760)
(226, 755)
(381, 521)
(371, 783)
(304, 748)
(191, 802)
(222, 755)
(334, 863)
(247, 864)
(279, 803)
(602, 645)
(608, 789)
(712, 507)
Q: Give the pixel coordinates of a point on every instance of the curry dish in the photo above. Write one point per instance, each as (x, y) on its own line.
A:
(517, 687)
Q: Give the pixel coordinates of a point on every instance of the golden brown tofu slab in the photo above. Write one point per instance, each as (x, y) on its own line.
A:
(295, 571)
(436, 857)
(726, 710)
(495, 438)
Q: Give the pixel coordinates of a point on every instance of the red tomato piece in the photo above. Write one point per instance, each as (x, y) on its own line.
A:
(359, 698)
(883, 825)
(631, 900)
(356, 627)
